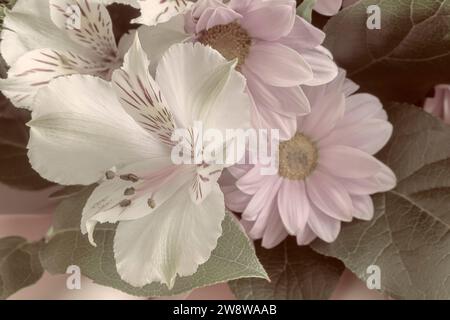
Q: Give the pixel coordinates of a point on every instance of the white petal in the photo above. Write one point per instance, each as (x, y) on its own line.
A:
(172, 241)
(76, 137)
(205, 179)
(140, 95)
(91, 26)
(157, 11)
(37, 68)
(200, 85)
(158, 39)
(28, 27)
(120, 198)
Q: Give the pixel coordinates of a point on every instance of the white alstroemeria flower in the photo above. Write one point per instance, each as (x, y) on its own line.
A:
(157, 11)
(86, 130)
(45, 39)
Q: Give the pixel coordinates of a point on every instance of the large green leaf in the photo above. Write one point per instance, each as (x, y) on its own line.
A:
(233, 258)
(409, 237)
(405, 58)
(19, 265)
(295, 273)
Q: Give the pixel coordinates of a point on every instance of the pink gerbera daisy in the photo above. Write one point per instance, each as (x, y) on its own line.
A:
(439, 105)
(326, 172)
(276, 50)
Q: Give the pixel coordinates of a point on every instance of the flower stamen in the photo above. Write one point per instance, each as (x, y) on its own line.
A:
(129, 177)
(231, 40)
(297, 157)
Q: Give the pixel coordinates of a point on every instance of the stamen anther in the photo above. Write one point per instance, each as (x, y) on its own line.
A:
(129, 177)
(125, 203)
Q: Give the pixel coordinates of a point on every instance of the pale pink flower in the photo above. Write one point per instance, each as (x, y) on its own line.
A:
(326, 172)
(439, 105)
(328, 7)
(277, 51)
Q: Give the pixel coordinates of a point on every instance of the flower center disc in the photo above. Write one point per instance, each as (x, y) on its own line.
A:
(231, 40)
(298, 157)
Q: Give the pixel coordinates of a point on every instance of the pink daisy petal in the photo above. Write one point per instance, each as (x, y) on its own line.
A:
(222, 16)
(364, 209)
(288, 101)
(281, 19)
(275, 232)
(384, 180)
(347, 162)
(262, 198)
(328, 7)
(306, 236)
(360, 107)
(278, 65)
(323, 67)
(369, 136)
(265, 118)
(349, 87)
(325, 227)
(250, 182)
(329, 196)
(259, 226)
(303, 36)
(293, 205)
(235, 200)
(326, 111)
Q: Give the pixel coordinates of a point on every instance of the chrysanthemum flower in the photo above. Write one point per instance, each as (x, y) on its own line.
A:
(439, 105)
(85, 130)
(45, 39)
(277, 52)
(326, 172)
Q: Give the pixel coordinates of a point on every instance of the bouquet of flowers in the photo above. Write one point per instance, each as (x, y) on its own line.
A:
(269, 144)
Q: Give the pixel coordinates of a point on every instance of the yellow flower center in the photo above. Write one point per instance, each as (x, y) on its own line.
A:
(297, 157)
(231, 40)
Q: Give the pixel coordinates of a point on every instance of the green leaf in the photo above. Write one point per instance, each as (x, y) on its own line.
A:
(305, 9)
(295, 273)
(233, 258)
(409, 236)
(19, 265)
(403, 60)
(15, 169)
